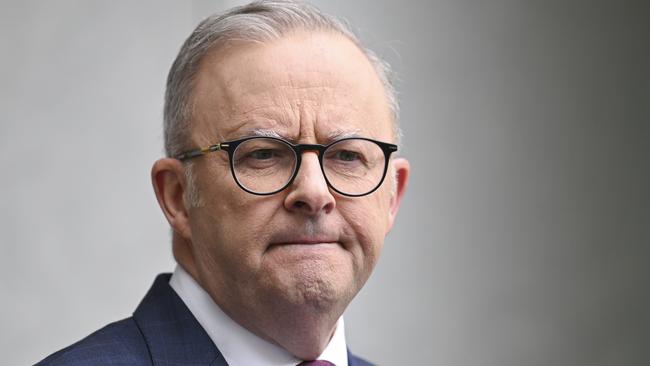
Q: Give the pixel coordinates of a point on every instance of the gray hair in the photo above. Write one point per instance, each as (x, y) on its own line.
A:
(259, 21)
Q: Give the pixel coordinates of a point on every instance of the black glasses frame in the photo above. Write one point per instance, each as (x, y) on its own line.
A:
(298, 150)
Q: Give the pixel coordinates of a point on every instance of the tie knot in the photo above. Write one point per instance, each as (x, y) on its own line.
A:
(316, 363)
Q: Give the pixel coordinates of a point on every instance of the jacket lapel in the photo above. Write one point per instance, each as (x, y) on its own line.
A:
(356, 361)
(173, 335)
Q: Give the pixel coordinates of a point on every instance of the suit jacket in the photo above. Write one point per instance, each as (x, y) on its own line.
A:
(162, 331)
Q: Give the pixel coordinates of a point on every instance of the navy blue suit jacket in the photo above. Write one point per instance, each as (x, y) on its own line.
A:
(162, 331)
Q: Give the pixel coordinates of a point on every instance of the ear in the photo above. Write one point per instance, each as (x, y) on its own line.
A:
(401, 169)
(168, 179)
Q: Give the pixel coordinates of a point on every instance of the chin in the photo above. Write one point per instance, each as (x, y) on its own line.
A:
(318, 294)
(320, 290)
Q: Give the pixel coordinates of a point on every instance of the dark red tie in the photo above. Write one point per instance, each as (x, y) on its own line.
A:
(316, 363)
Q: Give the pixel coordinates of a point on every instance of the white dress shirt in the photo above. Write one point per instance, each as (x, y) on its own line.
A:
(238, 345)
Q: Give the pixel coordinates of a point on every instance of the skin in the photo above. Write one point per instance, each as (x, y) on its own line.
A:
(284, 266)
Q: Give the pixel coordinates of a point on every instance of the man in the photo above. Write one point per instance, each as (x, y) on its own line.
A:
(279, 131)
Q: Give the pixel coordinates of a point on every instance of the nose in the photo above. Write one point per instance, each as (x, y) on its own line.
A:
(309, 193)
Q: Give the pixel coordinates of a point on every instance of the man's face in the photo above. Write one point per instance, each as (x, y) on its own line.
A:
(305, 246)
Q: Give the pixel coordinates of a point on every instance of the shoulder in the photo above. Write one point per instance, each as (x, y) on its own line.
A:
(119, 343)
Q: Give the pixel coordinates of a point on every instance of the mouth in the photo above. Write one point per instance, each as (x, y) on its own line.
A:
(305, 242)
(307, 238)
(306, 250)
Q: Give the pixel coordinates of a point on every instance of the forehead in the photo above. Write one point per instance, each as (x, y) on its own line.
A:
(304, 87)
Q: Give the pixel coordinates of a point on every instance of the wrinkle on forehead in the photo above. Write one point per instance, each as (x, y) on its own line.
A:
(311, 88)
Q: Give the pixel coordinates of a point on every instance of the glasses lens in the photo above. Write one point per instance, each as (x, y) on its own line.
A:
(263, 165)
(354, 166)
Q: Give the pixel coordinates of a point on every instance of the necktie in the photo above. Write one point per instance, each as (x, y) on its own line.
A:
(316, 363)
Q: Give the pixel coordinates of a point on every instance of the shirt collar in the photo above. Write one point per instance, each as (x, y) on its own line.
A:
(238, 345)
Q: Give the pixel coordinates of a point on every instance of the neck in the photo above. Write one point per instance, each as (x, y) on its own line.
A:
(303, 330)
(305, 334)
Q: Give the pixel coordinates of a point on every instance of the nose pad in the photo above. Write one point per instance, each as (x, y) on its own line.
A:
(309, 192)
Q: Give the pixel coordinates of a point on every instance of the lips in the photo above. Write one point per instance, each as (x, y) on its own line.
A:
(293, 240)
(309, 234)
(306, 241)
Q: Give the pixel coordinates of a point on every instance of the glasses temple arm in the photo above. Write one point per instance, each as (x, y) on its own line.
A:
(198, 152)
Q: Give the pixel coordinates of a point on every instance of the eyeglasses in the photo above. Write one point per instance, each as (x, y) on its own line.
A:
(354, 166)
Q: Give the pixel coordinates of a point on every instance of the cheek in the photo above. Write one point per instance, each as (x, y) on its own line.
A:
(235, 227)
(368, 219)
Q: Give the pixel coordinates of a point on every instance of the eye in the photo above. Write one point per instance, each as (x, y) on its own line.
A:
(263, 154)
(346, 155)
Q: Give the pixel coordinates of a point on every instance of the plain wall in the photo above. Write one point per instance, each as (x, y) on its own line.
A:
(524, 238)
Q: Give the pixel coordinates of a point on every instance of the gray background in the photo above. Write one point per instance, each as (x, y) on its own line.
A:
(524, 238)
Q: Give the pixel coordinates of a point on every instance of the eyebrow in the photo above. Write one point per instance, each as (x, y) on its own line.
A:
(341, 134)
(262, 132)
(331, 136)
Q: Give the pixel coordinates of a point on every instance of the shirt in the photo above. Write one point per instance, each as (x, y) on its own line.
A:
(238, 345)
